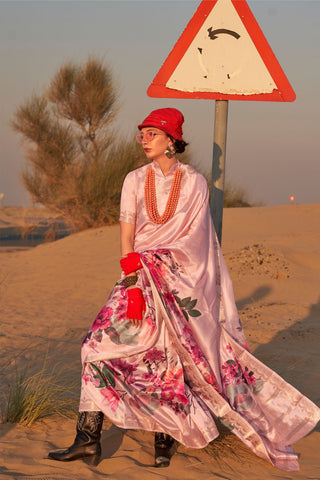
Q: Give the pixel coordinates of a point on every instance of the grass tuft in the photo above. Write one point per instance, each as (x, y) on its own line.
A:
(32, 397)
(228, 446)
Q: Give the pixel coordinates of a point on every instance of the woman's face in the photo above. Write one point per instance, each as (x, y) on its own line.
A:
(154, 147)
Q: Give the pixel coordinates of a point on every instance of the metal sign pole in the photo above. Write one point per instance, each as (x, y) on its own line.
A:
(218, 164)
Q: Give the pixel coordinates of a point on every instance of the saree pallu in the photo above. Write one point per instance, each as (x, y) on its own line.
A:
(189, 364)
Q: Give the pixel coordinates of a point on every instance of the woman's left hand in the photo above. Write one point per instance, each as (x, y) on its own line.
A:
(136, 306)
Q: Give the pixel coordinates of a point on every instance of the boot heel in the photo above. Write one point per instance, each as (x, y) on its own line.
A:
(92, 460)
(87, 442)
(163, 444)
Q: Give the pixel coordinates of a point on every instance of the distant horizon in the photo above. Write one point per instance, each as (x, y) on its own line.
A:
(39, 206)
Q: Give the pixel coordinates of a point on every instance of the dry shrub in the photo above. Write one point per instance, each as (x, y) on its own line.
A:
(75, 163)
(235, 196)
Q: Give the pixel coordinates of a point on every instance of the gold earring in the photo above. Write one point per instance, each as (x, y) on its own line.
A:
(170, 151)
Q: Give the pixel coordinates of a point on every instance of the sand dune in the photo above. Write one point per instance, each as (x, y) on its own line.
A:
(50, 295)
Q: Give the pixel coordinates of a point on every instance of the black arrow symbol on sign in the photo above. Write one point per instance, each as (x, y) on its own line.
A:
(213, 33)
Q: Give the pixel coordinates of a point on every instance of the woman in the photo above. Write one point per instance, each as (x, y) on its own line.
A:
(167, 352)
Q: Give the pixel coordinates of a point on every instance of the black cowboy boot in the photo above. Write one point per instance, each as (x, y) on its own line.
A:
(162, 445)
(87, 442)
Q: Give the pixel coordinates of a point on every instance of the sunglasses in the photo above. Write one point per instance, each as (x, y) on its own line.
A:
(147, 136)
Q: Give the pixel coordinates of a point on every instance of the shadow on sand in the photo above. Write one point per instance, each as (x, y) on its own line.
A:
(297, 359)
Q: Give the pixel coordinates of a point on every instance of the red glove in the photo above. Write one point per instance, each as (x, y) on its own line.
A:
(136, 304)
(131, 263)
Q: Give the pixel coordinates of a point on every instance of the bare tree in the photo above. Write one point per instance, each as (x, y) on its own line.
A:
(75, 164)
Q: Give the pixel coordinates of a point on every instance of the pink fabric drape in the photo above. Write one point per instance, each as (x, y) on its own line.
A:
(189, 362)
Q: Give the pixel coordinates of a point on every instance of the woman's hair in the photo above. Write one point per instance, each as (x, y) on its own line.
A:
(179, 145)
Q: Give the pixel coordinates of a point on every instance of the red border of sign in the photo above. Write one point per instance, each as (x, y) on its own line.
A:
(284, 92)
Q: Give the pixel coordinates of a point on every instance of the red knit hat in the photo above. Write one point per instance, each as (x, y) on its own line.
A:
(169, 120)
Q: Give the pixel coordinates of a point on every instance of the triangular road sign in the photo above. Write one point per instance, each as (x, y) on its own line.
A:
(222, 54)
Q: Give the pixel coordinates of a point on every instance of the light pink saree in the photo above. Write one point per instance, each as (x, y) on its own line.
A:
(189, 362)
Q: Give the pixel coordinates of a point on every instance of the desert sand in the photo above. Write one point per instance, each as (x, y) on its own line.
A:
(50, 295)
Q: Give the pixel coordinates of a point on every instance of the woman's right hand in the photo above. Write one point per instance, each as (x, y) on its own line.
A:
(131, 263)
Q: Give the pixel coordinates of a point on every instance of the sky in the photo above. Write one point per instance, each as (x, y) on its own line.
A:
(272, 147)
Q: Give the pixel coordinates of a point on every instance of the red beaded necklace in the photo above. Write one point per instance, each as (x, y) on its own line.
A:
(151, 198)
